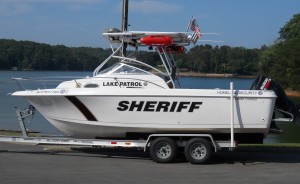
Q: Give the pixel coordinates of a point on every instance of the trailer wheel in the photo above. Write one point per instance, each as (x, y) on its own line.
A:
(163, 150)
(198, 151)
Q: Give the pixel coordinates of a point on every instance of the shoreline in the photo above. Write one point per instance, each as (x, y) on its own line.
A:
(214, 75)
(292, 93)
(227, 75)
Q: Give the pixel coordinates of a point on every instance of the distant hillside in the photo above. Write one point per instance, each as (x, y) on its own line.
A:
(27, 55)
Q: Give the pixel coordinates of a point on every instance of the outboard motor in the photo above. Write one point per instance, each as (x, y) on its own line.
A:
(283, 105)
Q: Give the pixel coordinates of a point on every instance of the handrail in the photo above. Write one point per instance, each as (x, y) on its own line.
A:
(42, 80)
(164, 63)
(105, 61)
(48, 79)
(291, 119)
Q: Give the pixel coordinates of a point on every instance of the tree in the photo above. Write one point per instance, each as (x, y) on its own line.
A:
(291, 30)
(281, 61)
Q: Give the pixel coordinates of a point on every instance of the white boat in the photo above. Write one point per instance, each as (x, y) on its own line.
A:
(131, 99)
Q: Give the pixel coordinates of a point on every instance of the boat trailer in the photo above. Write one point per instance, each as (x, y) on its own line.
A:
(198, 148)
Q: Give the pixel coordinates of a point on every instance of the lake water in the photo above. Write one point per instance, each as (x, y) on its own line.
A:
(8, 118)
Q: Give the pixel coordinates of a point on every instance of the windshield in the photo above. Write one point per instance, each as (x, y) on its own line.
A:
(121, 68)
(129, 70)
(109, 69)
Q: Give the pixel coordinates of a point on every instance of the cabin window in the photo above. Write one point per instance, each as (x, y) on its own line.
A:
(91, 86)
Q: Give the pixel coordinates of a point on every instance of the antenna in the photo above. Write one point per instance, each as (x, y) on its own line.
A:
(124, 24)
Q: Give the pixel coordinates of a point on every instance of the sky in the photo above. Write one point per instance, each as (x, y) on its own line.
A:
(74, 23)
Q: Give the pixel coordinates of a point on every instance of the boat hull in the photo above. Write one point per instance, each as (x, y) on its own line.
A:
(106, 113)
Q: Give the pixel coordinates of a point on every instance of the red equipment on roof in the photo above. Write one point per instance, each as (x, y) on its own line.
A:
(157, 40)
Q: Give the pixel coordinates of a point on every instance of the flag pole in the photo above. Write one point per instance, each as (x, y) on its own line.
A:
(189, 25)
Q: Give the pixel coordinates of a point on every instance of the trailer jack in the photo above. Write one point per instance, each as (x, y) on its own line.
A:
(22, 115)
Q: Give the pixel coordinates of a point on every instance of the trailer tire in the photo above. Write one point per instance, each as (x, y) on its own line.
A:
(163, 150)
(198, 151)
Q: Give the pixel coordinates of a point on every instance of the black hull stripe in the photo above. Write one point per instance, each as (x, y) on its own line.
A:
(82, 108)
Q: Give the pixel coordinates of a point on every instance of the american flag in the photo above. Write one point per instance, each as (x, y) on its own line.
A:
(196, 30)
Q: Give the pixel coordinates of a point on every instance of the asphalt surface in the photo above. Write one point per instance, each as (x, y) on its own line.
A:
(33, 164)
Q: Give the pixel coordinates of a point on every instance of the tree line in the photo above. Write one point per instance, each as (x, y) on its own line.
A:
(280, 61)
(28, 55)
(224, 59)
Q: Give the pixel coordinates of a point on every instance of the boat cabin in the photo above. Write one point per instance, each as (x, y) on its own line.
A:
(119, 75)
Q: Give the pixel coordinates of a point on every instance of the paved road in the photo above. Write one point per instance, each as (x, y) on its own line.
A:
(31, 164)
